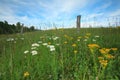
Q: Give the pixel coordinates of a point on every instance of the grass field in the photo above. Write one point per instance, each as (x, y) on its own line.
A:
(62, 54)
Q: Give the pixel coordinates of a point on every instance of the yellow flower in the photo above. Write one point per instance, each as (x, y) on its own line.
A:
(26, 74)
(75, 51)
(91, 46)
(101, 58)
(74, 45)
(49, 43)
(109, 56)
(104, 50)
(86, 37)
(65, 42)
(65, 36)
(103, 63)
(88, 34)
(79, 37)
(114, 49)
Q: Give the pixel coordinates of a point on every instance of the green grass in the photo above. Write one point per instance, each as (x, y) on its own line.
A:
(63, 63)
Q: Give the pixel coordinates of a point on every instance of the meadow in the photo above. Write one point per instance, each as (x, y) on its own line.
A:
(61, 54)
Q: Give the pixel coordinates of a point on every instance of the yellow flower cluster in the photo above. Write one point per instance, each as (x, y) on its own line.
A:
(74, 45)
(103, 63)
(75, 51)
(65, 42)
(92, 46)
(104, 50)
(114, 49)
(105, 56)
(26, 74)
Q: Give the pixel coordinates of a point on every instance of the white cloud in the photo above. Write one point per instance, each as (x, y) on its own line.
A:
(114, 13)
(104, 6)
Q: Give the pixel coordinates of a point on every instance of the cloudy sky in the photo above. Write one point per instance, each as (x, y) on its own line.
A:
(59, 12)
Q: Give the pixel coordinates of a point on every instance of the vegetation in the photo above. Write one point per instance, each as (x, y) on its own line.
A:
(61, 54)
(6, 28)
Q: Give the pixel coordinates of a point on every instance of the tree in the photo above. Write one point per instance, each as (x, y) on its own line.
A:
(32, 28)
(18, 26)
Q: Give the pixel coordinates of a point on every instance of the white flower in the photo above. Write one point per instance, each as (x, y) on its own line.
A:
(10, 39)
(78, 39)
(25, 52)
(57, 44)
(52, 47)
(97, 36)
(34, 52)
(35, 45)
(39, 41)
(94, 40)
(55, 38)
(85, 39)
(44, 44)
(22, 38)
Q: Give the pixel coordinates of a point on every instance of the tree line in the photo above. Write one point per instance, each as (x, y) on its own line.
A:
(6, 28)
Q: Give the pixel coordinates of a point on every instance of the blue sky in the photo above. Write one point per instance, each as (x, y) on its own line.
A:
(56, 12)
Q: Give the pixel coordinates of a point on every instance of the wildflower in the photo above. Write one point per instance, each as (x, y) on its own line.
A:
(85, 39)
(104, 50)
(93, 46)
(25, 52)
(39, 41)
(75, 51)
(55, 38)
(45, 44)
(49, 43)
(33, 47)
(103, 63)
(101, 58)
(65, 42)
(22, 38)
(78, 39)
(10, 39)
(14, 41)
(65, 36)
(26, 74)
(88, 34)
(35, 44)
(74, 45)
(52, 47)
(94, 40)
(109, 56)
(57, 44)
(97, 36)
(34, 52)
(114, 49)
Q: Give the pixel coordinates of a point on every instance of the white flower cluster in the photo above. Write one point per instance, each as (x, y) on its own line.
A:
(34, 52)
(55, 38)
(10, 39)
(35, 45)
(52, 47)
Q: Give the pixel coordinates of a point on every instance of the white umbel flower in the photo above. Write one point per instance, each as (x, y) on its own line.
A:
(52, 47)
(35, 45)
(55, 38)
(25, 52)
(34, 52)
(45, 44)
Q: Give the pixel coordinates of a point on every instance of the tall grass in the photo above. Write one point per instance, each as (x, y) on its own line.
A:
(61, 54)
